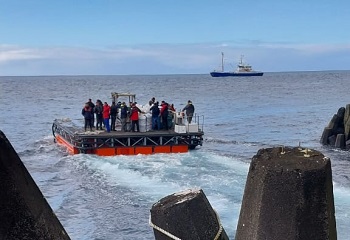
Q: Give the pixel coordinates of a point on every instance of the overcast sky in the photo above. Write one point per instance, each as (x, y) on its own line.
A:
(69, 37)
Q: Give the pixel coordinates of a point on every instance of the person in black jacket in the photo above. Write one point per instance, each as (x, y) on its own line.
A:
(113, 114)
(92, 105)
(155, 116)
(98, 112)
(123, 116)
(189, 108)
(88, 115)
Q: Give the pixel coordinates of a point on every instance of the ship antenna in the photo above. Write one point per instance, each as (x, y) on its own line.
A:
(222, 61)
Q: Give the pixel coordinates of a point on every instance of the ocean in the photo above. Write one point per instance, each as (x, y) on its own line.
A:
(110, 197)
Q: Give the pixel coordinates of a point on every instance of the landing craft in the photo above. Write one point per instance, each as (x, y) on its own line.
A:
(181, 137)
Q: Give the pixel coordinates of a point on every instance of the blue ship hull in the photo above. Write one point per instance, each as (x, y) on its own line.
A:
(235, 74)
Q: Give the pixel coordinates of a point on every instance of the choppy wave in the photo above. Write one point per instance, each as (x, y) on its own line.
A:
(90, 194)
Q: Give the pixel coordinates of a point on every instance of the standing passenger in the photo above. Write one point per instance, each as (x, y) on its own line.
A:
(114, 112)
(189, 108)
(172, 108)
(92, 105)
(164, 112)
(99, 116)
(87, 113)
(172, 112)
(155, 116)
(106, 113)
(118, 105)
(134, 116)
(123, 115)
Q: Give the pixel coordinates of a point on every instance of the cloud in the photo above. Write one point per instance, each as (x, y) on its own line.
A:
(169, 58)
(307, 48)
(12, 53)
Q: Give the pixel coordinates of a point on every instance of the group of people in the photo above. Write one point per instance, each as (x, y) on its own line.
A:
(160, 114)
(104, 112)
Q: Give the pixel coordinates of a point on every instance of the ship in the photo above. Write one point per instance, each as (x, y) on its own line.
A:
(243, 70)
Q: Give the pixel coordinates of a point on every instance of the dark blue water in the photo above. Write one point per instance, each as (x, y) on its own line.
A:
(110, 197)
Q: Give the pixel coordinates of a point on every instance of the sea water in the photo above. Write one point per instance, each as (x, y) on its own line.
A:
(110, 197)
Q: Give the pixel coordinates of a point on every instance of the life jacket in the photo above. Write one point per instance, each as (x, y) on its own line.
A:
(134, 114)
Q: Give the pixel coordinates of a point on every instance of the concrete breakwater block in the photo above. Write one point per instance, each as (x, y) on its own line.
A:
(340, 141)
(24, 212)
(337, 132)
(186, 215)
(288, 195)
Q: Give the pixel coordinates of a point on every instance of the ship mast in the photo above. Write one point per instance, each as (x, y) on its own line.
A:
(222, 61)
(241, 62)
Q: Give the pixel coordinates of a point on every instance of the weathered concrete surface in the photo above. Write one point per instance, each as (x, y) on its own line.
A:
(24, 212)
(338, 125)
(288, 196)
(340, 141)
(327, 132)
(186, 215)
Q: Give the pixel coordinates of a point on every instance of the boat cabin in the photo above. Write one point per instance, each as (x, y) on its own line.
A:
(131, 96)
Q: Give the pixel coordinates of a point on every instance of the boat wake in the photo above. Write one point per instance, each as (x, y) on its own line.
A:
(233, 142)
(38, 147)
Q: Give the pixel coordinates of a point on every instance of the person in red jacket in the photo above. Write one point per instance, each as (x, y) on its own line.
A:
(134, 117)
(164, 112)
(106, 113)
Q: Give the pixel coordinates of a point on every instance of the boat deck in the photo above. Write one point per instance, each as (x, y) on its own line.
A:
(105, 143)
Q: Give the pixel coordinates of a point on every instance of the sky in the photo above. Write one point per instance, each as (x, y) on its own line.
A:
(133, 37)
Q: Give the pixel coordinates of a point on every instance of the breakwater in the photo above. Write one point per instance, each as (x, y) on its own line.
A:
(288, 195)
(337, 132)
(24, 211)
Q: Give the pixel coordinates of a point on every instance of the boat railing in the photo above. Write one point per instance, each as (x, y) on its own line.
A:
(66, 133)
(199, 119)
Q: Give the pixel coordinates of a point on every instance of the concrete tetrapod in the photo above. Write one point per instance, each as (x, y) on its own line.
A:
(186, 215)
(24, 212)
(288, 195)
